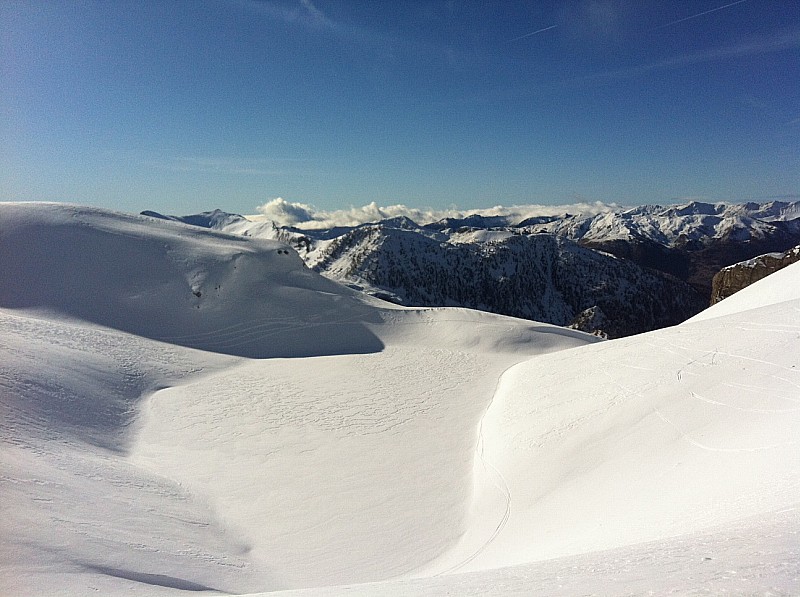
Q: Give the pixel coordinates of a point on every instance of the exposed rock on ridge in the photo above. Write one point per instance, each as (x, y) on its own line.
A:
(740, 275)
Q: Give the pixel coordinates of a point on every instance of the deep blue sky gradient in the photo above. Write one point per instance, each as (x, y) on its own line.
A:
(182, 106)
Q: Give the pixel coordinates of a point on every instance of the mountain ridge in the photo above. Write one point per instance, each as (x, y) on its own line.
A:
(678, 249)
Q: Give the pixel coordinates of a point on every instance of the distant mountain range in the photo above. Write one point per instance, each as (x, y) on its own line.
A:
(617, 273)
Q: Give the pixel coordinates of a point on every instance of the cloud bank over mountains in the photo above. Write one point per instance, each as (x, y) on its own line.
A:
(301, 215)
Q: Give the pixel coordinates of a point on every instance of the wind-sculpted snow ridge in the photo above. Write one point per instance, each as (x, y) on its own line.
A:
(778, 287)
(668, 464)
(181, 284)
(187, 410)
(661, 434)
(280, 431)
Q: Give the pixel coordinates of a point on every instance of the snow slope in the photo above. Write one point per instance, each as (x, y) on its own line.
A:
(175, 282)
(280, 431)
(782, 285)
(187, 409)
(668, 464)
(664, 434)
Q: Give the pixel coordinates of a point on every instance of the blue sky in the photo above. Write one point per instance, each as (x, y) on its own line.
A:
(186, 106)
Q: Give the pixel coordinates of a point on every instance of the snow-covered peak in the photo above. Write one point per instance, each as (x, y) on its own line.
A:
(673, 225)
(161, 279)
(216, 219)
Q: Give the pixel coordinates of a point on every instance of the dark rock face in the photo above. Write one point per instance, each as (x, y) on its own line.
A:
(592, 321)
(732, 279)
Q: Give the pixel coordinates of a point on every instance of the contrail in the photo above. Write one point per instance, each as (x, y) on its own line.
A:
(541, 30)
(699, 14)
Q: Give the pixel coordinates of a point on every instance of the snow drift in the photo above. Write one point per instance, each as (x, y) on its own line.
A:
(187, 410)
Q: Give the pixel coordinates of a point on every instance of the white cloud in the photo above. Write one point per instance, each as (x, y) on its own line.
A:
(301, 215)
(317, 16)
(538, 31)
(285, 213)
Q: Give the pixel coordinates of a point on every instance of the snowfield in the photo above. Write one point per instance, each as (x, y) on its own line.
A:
(188, 410)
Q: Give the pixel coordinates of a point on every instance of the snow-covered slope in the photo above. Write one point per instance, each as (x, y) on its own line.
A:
(659, 435)
(184, 408)
(173, 282)
(280, 431)
(730, 280)
(780, 286)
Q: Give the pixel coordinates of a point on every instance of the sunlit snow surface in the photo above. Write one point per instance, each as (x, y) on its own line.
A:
(185, 410)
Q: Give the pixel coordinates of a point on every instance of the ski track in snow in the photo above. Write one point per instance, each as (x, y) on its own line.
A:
(709, 359)
(702, 446)
(741, 409)
(499, 483)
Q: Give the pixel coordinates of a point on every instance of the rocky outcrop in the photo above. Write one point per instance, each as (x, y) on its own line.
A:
(592, 321)
(733, 278)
